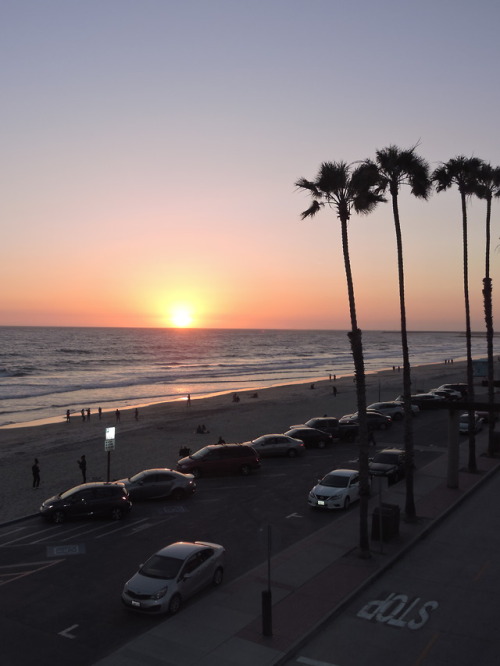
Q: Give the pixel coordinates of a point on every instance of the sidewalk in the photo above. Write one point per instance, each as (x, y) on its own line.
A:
(310, 583)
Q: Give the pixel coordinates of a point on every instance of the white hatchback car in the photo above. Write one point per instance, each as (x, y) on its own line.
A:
(172, 575)
(336, 490)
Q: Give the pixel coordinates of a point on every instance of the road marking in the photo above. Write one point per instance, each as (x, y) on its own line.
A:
(426, 650)
(60, 551)
(294, 515)
(481, 571)
(313, 662)
(66, 632)
(23, 570)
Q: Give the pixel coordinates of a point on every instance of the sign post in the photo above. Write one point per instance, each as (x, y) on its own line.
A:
(109, 445)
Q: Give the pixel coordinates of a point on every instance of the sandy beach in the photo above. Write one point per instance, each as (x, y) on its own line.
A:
(155, 438)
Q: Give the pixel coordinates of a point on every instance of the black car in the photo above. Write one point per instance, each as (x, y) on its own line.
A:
(337, 430)
(389, 463)
(375, 420)
(88, 500)
(310, 436)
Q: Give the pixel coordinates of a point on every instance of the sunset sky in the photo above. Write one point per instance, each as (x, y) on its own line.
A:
(150, 149)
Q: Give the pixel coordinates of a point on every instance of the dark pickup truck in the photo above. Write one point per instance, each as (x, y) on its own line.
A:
(331, 425)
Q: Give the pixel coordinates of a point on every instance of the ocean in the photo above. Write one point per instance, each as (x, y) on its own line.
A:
(44, 371)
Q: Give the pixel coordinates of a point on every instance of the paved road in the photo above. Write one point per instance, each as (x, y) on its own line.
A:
(439, 606)
(61, 584)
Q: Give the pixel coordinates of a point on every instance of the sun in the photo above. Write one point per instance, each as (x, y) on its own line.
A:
(181, 317)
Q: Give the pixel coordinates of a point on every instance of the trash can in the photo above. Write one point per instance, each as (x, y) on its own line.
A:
(390, 522)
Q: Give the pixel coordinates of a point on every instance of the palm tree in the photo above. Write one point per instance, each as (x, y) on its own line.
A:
(488, 186)
(396, 168)
(343, 187)
(463, 172)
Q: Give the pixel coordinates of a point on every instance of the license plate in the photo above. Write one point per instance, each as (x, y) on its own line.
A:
(321, 503)
(135, 603)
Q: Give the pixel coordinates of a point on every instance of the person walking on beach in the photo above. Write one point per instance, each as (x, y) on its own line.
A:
(82, 464)
(136, 414)
(83, 415)
(100, 413)
(68, 416)
(36, 473)
(334, 388)
(117, 415)
(88, 414)
(189, 400)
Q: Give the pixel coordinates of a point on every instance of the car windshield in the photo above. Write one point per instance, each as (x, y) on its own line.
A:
(161, 567)
(67, 494)
(387, 458)
(335, 481)
(199, 455)
(137, 477)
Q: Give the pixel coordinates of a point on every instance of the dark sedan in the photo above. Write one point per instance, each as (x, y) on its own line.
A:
(159, 483)
(375, 420)
(310, 436)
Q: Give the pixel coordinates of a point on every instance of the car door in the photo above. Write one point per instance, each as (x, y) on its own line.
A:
(82, 503)
(193, 574)
(354, 487)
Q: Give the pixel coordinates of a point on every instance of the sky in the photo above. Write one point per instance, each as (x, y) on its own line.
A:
(150, 150)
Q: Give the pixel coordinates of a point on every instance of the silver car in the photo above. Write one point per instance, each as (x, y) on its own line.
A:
(336, 490)
(391, 408)
(278, 445)
(174, 574)
(159, 484)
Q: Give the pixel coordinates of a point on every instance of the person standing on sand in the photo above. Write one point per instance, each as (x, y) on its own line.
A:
(68, 416)
(100, 413)
(83, 415)
(82, 464)
(136, 414)
(117, 415)
(36, 473)
(88, 414)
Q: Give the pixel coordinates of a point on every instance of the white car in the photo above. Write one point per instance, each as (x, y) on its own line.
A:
(463, 423)
(415, 409)
(336, 490)
(393, 409)
(277, 445)
(172, 575)
(447, 394)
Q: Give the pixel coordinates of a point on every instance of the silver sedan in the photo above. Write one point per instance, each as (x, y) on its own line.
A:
(174, 574)
(159, 484)
(278, 445)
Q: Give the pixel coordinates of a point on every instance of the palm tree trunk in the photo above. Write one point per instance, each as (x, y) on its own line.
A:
(488, 315)
(359, 369)
(472, 466)
(410, 511)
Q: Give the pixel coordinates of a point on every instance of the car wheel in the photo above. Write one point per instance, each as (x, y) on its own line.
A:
(175, 604)
(177, 494)
(218, 576)
(347, 502)
(196, 472)
(58, 517)
(321, 444)
(292, 453)
(116, 514)
(245, 470)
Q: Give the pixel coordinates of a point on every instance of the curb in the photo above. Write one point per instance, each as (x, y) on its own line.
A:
(395, 558)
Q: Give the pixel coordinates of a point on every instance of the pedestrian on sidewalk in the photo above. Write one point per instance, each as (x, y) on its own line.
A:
(82, 464)
(36, 473)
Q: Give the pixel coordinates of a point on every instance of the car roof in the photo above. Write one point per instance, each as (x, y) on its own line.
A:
(96, 484)
(156, 469)
(183, 549)
(344, 472)
(391, 451)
